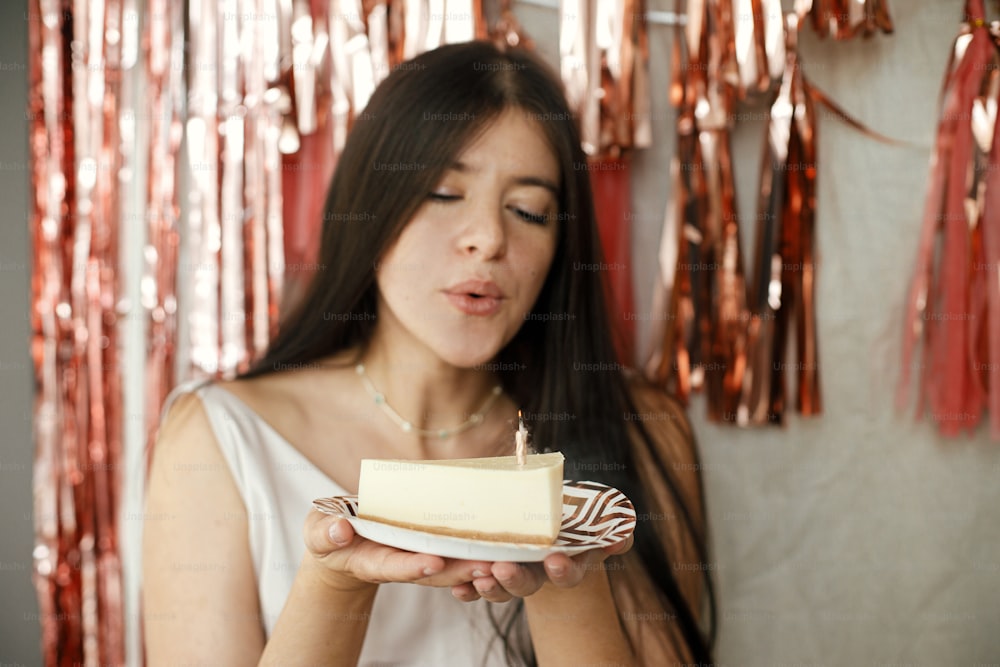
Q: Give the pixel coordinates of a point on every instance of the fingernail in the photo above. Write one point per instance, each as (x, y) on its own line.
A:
(478, 573)
(337, 535)
(428, 571)
(557, 570)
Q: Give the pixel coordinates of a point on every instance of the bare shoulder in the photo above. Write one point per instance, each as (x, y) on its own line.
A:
(286, 398)
(268, 395)
(185, 443)
(199, 591)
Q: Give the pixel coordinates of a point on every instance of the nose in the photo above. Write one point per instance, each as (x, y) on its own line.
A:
(484, 233)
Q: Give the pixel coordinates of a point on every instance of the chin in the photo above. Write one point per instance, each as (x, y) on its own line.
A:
(470, 354)
(470, 360)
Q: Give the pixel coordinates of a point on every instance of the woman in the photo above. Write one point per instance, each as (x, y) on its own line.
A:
(456, 256)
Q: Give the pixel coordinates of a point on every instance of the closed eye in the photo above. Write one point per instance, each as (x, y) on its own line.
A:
(440, 196)
(534, 218)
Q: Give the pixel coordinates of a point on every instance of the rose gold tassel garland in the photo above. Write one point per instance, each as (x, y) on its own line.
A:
(164, 35)
(603, 62)
(844, 19)
(714, 334)
(75, 75)
(234, 240)
(954, 301)
(986, 269)
(502, 25)
(784, 281)
(262, 93)
(703, 339)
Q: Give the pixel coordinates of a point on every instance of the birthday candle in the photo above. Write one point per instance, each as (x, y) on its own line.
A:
(520, 439)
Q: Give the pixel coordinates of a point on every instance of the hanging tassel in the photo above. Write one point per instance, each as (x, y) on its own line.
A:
(726, 363)
(503, 28)
(758, 44)
(845, 19)
(702, 325)
(711, 333)
(986, 271)
(603, 55)
(671, 364)
(947, 298)
(609, 181)
(784, 259)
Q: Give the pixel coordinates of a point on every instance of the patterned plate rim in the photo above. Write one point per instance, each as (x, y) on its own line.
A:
(594, 515)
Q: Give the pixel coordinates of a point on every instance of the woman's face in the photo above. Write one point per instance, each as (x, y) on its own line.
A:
(469, 265)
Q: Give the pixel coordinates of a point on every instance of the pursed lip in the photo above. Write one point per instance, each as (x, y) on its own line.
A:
(482, 288)
(475, 297)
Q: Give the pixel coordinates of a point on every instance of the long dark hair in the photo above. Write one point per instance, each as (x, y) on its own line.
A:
(561, 366)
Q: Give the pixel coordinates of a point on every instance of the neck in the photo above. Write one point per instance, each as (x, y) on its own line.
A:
(428, 393)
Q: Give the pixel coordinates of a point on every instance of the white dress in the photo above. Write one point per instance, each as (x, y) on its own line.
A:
(410, 625)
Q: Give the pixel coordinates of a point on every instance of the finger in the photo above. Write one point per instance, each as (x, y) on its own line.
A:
(465, 592)
(518, 579)
(324, 534)
(618, 548)
(457, 572)
(334, 542)
(381, 564)
(564, 571)
(341, 532)
(489, 589)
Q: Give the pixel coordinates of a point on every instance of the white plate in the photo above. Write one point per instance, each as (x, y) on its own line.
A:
(594, 515)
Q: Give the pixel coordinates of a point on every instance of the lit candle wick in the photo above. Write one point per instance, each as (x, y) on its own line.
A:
(520, 440)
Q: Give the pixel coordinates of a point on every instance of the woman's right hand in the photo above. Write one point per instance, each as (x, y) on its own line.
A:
(348, 562)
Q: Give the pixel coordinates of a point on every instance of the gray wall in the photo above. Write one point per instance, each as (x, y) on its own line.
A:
(19, 628)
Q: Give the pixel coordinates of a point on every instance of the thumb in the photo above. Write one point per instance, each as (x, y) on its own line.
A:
(325, 534)
(340, 532)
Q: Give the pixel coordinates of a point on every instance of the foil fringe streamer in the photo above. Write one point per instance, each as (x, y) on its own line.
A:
(603, 53)
(164, 35)
(954, 300)
(603, 63)
(260, 94)
(251, 93)
(75, 76)
(712, 331)
(292, 74)
(784, 282)
(845, 19)
(702, 313)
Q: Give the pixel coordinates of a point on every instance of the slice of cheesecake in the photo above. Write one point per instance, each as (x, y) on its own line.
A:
(486, 499)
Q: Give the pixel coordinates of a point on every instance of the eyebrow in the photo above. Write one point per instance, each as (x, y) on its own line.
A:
(459, 166)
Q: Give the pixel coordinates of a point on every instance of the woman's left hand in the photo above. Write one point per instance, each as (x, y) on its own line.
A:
(506, 581)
